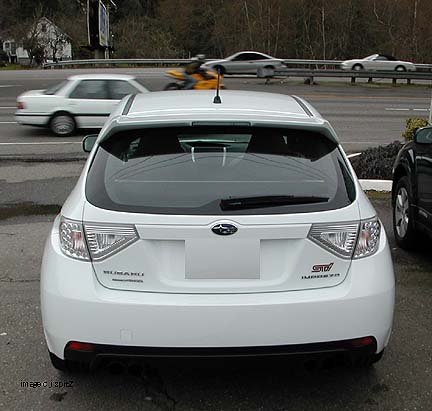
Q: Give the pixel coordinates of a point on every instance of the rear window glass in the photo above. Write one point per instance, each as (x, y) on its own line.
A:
(219, 171)
(56, 88)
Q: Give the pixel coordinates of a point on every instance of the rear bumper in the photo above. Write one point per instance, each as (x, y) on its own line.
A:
(94, 354)
(32, 120)
(75, 307)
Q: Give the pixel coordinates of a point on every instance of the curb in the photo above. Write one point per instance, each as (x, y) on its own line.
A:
(376, 185)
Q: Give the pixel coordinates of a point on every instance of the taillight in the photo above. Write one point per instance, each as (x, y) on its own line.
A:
(20, 105)
(340, 239)
(94, 241)
(79, 346)
(348, 240)
(361, 342)
(72, 240)
(368, 240)
(105, 240)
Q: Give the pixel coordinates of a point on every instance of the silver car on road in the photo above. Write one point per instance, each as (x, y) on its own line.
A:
(378, 62)
(245, 62)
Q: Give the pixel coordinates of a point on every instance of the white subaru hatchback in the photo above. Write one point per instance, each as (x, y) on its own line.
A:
(212, 229)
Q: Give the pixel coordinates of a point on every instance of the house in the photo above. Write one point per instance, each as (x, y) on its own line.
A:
(13, 53)
(51, 42)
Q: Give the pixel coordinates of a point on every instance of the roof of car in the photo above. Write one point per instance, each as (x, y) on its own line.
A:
(100, 76)
(235, 106)
(251, 51)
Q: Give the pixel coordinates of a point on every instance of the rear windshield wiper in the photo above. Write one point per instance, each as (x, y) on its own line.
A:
(241, 203)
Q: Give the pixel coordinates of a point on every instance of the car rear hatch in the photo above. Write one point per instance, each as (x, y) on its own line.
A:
(238, 210)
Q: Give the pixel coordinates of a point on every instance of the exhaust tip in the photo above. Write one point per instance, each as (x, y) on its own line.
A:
(134, 369)
(116, 368)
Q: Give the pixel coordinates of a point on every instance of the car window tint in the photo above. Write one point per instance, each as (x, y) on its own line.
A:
(381, 58)
(240, 57)
(56, 88)
(190, 170)
(121, 88)
(255, 56)
(91, 89)
(424, 136)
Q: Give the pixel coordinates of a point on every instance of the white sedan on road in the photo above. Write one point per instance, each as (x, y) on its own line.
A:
(378, 62)
(245, 62)
(203, 229)
(81, 101)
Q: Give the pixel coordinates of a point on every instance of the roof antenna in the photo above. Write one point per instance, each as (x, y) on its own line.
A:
(217, 99)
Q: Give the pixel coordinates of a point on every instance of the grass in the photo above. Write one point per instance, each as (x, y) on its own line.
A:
(17, 67)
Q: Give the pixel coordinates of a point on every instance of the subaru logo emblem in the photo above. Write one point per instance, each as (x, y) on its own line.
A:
(224, 229)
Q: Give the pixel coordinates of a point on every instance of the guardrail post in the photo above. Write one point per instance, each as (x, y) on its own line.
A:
(409, 81)
(394, 81)
(353, 79)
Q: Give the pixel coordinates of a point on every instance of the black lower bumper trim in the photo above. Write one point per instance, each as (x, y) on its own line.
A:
(116, 351)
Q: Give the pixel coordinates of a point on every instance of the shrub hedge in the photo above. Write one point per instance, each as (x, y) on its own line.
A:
(412, 124)
(376, 162)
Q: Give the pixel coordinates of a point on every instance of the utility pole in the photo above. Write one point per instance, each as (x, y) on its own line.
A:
(111, 5)
(414, 30)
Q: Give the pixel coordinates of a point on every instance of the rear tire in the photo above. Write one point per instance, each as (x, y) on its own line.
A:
(357, 67)
(403, 215)
(400, 68)
(62, 124)
(172, 86)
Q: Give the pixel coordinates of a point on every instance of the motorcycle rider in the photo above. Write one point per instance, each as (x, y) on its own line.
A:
(194, 67)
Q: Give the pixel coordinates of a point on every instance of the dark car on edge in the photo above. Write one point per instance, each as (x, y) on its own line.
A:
(412, 189)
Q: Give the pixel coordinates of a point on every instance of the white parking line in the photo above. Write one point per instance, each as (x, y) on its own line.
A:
(405, 109)
(8, 122)
(41, 143)
(7, 107)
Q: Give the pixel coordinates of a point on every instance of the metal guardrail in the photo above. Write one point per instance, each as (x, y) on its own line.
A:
(308, 62)
(144, 62)
(114, 62)
(394, 75)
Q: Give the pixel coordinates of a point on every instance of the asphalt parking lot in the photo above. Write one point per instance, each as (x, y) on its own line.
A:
(34, 182)
(31, 193)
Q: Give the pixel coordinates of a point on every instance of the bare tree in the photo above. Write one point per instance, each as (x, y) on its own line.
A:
(56, 41)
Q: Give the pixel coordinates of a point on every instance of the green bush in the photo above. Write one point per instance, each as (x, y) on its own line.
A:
(376, 162)
(412, 124)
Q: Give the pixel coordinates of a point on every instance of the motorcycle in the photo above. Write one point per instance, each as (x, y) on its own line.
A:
(207, 82)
